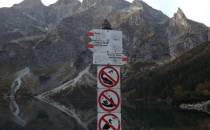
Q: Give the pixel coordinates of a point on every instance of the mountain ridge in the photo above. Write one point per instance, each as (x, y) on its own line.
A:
(52, 39)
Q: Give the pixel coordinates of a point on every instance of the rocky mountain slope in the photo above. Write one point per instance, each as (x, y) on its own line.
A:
(50, 40)
(185, 79)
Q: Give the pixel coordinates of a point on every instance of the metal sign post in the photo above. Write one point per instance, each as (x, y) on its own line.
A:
(106, 46)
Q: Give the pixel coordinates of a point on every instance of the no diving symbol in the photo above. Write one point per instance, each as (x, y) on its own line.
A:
(109, 76)
(109, 122)
(109, 100)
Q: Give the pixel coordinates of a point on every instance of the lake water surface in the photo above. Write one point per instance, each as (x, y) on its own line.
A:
(31, 114)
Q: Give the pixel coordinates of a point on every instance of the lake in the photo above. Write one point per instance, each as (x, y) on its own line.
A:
(32, 114)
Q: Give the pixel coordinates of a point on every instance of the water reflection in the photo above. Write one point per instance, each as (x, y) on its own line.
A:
(72, 112)
(14, 107)
(15, 110)
(36, 115)
(163, 117)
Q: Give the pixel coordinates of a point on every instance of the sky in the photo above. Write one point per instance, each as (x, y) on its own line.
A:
(198, 10)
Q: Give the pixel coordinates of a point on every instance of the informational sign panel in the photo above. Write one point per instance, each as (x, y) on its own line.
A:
(101, 41)
(109, 58)
(107, 49)
(109, 121)
(109, 100)
(108, 77)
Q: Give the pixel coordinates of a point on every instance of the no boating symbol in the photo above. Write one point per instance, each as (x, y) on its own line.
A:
(109, 121)
(108, 76)
(109, 100)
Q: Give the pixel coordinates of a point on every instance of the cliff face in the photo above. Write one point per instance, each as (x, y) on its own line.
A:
(184, 34)
(62, 9)
(144, 30)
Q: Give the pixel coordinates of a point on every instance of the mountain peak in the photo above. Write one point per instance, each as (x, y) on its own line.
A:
(180, 18)
(90, 3)
(29, 4)
(67, 1)
(180, 14)
(35, 2)
(144, 6)
(137, 1)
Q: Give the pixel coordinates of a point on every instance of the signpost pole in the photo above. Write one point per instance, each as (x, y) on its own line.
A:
(106, 46)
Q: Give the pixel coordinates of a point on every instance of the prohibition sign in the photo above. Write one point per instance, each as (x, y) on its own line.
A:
(111, 102)
(110, 121)
(109, 76)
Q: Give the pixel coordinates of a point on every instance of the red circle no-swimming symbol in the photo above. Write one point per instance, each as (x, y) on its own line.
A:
(111, 100)
(109, 76)
(106, 122)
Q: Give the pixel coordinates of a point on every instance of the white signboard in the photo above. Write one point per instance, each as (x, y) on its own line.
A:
(101, 41)
(107, 49)
(109, 100)
(108, 77)
(109, 121)
(109, 58)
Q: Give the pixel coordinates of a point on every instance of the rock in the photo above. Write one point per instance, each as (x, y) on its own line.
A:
(62, 9)
(184, 34)
(29, 4)
(202, 106)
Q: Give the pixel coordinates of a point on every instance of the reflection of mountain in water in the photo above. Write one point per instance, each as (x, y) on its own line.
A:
(70, 110)
(41, 116)
(14, 88)
(74, 108)
(17, 113)
(162, 117)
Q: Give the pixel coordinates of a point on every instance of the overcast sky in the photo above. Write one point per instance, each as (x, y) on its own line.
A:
(198, 10)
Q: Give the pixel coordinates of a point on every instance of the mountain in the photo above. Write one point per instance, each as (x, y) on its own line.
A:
(145, 32)
(184, 34)
(17, 22)
(62, 9)
(50, 40)
(182, 80)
